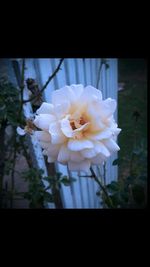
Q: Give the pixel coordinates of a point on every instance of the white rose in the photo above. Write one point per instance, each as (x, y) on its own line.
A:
(78, 128)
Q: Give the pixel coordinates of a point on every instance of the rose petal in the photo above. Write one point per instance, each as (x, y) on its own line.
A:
(57, 137)
(20, 131)
(53, 150)
(78, 145)
(62, 95)
(43, 121)
(101, 135)
(77, 89)
(89, 153)
(45, 108)
(61, 109)
(101, 148)
(76, 156)
(66, 128)
(107, 107)
(64, 154)
(117, 131)
(96, 124)
(85, 126)
(99, 159)
(111, 145)
(90, 93)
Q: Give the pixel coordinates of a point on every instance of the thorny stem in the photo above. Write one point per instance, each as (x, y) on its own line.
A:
(22, 86)
(46, 84)
(13, 170)
(102, 187)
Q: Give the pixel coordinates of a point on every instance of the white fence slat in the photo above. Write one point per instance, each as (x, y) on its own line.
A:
(80, 71)
(70, 71)
(93, 71)
(87, 71)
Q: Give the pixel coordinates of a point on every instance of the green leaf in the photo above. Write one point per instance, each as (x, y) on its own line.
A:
(65, 181)
(116, 162)
(48, 197)
(113, 186)
(138, 194)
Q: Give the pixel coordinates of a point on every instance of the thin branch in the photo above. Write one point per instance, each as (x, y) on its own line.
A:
(13, 170)
(101, 186)
(46, 84)
(99, 73)
(22, 86)
(103, 61)
(104, 176)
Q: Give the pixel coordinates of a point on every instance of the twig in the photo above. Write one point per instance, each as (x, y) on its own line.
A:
(101, 186)
(46, 84)
(99, 71)
(13, 170)
(22, 87)
(104, 168)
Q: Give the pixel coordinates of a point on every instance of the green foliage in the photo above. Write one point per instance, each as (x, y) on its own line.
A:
(58, 179)
(37, 195)
(9, 103)
(132, 107)
(130, 191)
(117, 162)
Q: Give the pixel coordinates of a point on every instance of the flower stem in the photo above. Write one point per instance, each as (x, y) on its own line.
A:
(22, 87)
(102, 187)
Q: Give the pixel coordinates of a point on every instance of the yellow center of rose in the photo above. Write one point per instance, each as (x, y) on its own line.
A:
(77, 123)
